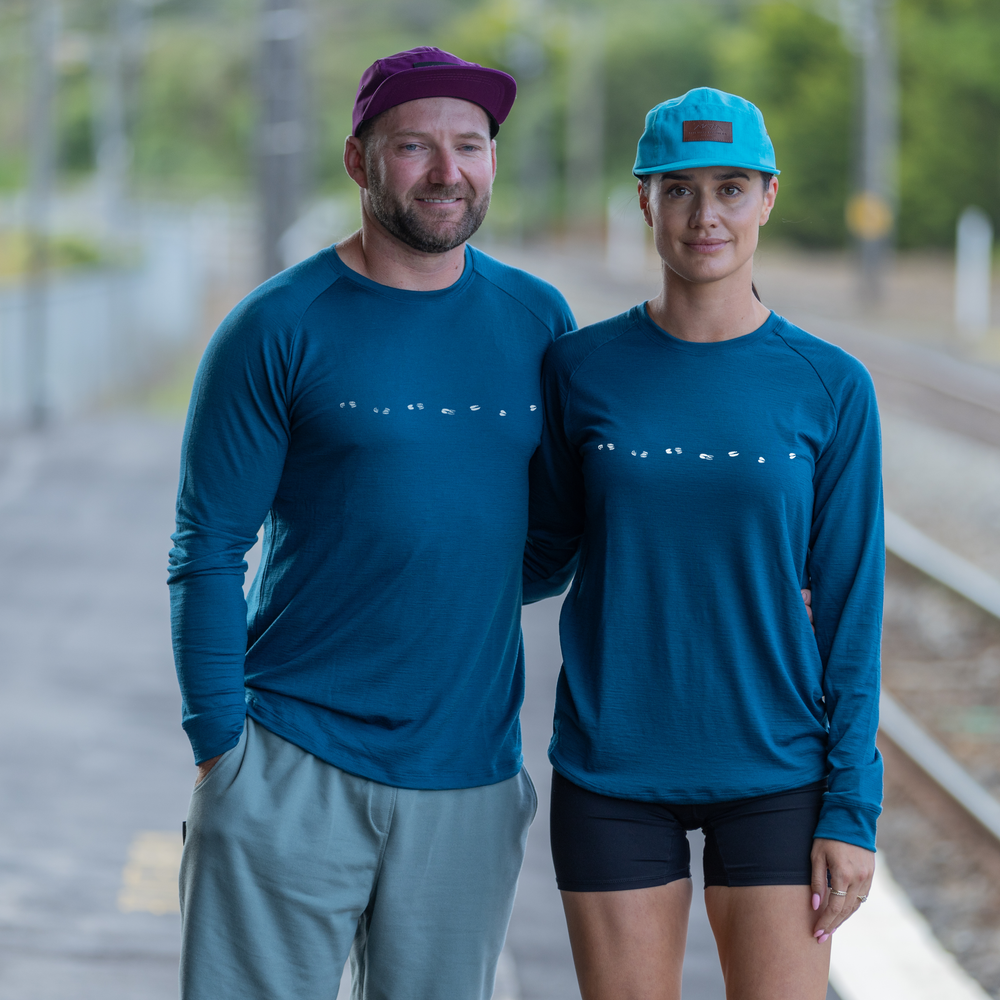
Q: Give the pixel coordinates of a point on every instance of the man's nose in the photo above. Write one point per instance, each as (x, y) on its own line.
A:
(444, 169)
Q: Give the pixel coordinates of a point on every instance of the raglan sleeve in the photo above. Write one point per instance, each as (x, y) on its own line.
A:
(846, 574)
(232, 455)
(556, 499)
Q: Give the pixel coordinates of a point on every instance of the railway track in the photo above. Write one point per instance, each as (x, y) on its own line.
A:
(940, 723)
(940, 829)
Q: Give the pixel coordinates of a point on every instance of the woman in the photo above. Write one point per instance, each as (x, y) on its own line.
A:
(709, 459)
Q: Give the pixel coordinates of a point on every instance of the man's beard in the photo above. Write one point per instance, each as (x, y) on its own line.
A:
(406, 225)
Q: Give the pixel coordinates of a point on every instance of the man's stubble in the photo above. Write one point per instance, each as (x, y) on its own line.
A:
(406, 225)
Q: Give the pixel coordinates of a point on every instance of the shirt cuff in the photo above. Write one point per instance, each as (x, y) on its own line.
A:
(852, 824)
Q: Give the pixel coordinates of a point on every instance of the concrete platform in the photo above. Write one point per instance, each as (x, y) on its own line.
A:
(95, 772)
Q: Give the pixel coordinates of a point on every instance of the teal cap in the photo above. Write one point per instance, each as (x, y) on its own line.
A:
(704, 128)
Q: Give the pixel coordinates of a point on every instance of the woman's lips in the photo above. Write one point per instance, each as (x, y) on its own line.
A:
(706, 246)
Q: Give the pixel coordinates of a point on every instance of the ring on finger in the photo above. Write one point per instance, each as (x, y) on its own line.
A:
(863, 899)
(838, 892)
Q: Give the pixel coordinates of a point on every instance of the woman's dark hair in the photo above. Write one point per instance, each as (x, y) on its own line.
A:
(766, 178)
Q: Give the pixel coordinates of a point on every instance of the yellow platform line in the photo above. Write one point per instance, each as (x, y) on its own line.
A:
(149, 878)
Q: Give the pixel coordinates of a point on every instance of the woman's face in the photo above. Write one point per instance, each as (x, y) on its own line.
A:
(706, 220)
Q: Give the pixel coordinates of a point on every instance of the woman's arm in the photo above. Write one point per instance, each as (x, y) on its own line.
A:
(846, 572)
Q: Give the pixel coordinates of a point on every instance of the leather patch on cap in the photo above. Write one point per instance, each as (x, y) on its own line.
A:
(707, 131)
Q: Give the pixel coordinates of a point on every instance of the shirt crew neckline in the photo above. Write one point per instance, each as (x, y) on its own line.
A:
(402, 294)
(744, 341)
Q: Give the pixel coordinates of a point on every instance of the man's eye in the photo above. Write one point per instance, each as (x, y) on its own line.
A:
(410, 146)
(731, 190)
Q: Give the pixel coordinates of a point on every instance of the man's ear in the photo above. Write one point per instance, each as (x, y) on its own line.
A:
(354, 161)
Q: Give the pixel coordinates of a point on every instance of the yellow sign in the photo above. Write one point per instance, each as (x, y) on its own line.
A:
(869, 216)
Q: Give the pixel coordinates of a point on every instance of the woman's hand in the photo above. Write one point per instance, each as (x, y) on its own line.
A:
(807, 600)
(851, 869)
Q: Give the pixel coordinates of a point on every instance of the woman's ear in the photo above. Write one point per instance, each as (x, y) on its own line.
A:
(644, 202)
(769, 195)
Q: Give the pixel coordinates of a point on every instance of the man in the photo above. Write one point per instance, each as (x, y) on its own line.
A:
(356, 726)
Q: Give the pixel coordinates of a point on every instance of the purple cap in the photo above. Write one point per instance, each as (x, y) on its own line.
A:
(430, 72)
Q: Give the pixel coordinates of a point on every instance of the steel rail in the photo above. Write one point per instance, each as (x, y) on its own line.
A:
(911, 545)
(958, 380)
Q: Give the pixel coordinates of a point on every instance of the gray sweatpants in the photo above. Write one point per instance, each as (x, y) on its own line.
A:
(291, 864)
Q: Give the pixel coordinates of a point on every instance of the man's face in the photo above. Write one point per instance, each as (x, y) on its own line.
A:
(430, 165)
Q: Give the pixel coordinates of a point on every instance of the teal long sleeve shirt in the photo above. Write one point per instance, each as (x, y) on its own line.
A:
(382, 438)
(702, 485)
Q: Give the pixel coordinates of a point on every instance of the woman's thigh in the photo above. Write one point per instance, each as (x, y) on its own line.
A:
(629, 945)
(624, 871)
(757, 892)
(766, 947)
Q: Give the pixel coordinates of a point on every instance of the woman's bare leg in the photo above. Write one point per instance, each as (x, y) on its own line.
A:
(629, 945)
(766, 945)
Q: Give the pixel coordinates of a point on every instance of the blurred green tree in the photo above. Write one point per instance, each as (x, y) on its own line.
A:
(529, 42)
(192, 104)
(75, 152)
(949, 116)
(194, 110)
(653, 54)
(793, 64)
(14, 69)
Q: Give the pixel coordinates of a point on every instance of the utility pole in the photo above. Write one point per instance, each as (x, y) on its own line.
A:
(281, 129)
(41, 157)
(114, 66)
(113, 149)
(871, 210)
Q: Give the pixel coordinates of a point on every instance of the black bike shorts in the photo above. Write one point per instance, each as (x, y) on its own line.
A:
(603, 844)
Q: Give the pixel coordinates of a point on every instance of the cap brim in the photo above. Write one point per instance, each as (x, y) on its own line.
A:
(692, 164)
(492, 89)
